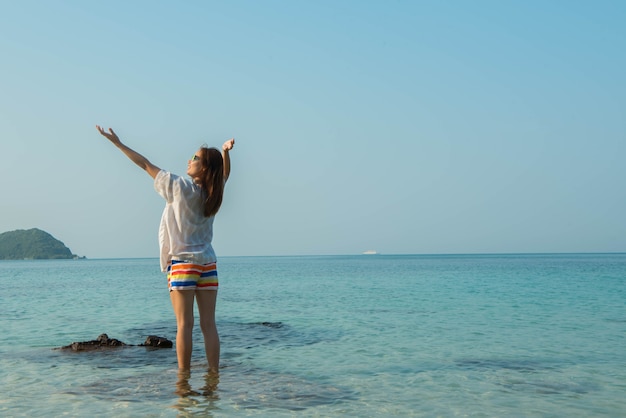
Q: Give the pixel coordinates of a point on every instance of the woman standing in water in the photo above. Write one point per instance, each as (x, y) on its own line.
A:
(185, 236)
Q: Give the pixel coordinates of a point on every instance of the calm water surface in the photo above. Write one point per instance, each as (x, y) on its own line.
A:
(473, 335)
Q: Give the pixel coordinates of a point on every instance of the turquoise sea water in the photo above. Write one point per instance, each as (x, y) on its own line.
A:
(457, 335)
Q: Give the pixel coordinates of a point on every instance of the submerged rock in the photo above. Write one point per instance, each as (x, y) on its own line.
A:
(103, 341)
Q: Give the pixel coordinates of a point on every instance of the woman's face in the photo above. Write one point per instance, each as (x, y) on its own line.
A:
(194, 165)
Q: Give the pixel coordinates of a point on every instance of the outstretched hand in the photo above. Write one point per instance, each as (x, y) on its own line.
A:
(111, 136)
(228, 145)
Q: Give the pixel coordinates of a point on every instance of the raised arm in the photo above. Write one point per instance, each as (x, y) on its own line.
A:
(228, 145)
(134, 156)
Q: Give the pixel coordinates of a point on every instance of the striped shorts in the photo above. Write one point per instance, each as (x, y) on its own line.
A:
(184, 275)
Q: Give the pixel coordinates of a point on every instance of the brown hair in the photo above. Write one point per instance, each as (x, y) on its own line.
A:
(212, 180)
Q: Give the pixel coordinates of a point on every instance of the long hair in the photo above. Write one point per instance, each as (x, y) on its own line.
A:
(212, 180)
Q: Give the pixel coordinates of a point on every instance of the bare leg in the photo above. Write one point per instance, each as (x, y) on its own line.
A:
(182, 302)
(206, 300)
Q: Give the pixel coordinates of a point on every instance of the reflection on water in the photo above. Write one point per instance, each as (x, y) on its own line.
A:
(251, 389)
(183, 388)
(199, 402)
(211, 380)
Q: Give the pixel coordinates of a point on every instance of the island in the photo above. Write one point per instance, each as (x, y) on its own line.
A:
(32, 244)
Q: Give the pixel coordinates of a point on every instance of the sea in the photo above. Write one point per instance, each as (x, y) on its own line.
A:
(488, 335)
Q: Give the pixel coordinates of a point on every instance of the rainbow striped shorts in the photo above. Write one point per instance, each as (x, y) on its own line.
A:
(184, 275)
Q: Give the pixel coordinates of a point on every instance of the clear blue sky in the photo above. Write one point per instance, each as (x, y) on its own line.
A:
(398, 126)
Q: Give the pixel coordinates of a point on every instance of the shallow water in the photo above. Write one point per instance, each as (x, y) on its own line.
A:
(479, 335)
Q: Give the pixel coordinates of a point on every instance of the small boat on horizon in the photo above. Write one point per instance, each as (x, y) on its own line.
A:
(370, 252)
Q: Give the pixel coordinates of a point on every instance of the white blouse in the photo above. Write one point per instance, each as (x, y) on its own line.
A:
(185, 233)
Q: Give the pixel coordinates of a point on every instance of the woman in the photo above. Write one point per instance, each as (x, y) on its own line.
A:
(185, 235)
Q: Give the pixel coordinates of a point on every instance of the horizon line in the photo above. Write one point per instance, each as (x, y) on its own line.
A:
(355, 255)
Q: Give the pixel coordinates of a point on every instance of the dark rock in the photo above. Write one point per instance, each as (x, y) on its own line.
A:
(159, 342)
(272, 324)
(103, 341)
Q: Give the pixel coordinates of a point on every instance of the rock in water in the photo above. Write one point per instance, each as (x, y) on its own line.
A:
(159, 342)
(103, 341)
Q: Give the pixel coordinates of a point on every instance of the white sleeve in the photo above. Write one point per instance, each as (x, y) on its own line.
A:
(164, 185)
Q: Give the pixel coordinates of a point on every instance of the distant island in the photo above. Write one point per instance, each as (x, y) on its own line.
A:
(32, 244)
